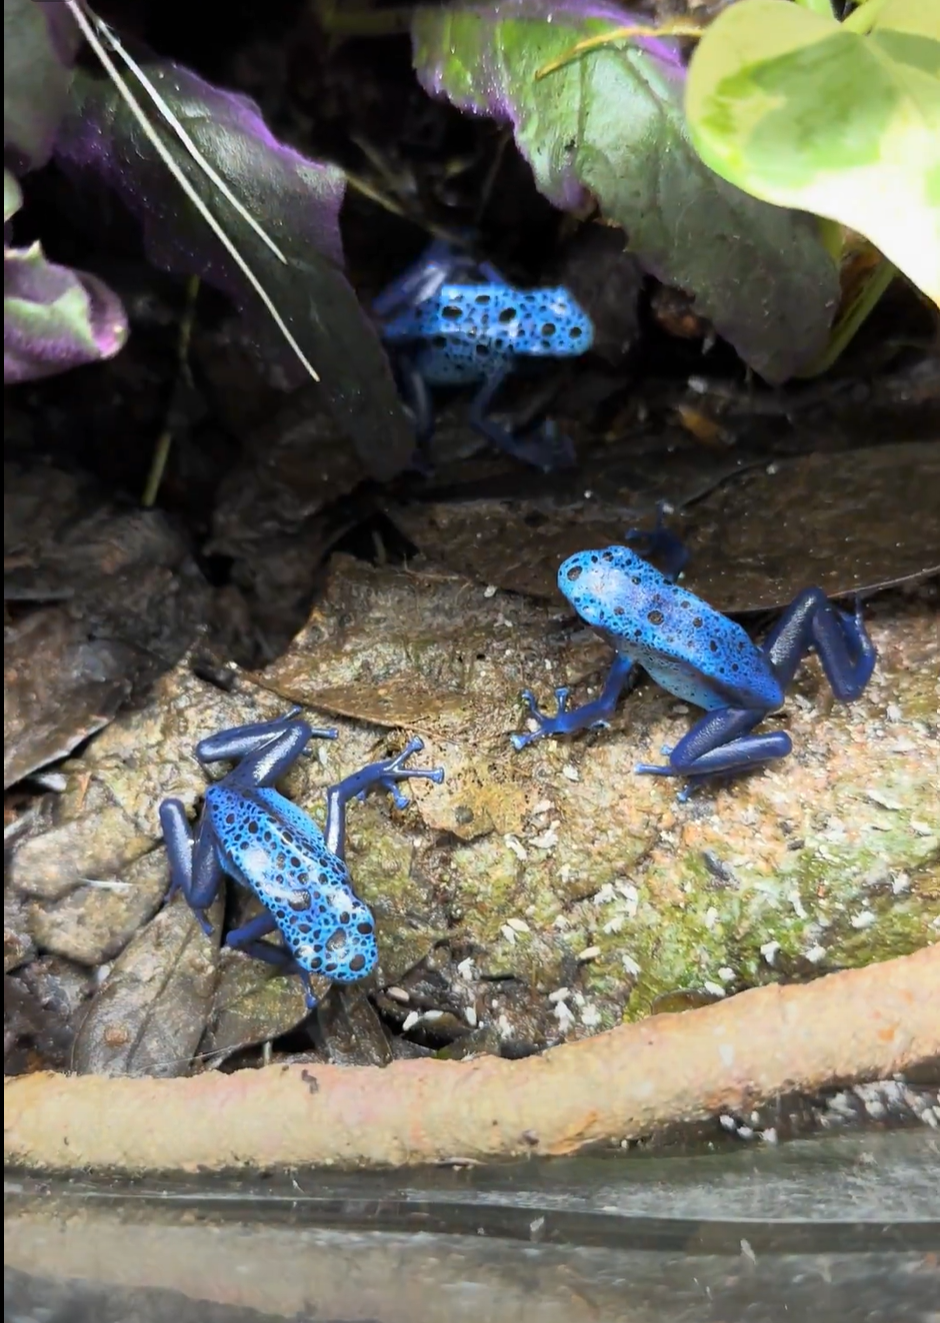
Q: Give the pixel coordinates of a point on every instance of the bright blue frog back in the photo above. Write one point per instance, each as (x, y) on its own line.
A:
(467, 330)
(272, 847)
(684, 644)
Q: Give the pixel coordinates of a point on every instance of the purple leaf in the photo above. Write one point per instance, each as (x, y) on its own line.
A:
(55, 318)
(39, 45)
(611, 126)
(295, 201)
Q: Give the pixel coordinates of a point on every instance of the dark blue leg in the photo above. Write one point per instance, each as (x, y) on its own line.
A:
(568, 721)
(384, 774)
(541, 447)
(660, 542)
(194, 866)
(248, 939)
(437, 264)
(720, 744)
(417, 398)
(264, 750)
(811, 622)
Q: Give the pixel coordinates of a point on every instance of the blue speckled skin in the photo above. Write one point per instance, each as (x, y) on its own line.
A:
(454, 322)
(251, 833)
(702, 657)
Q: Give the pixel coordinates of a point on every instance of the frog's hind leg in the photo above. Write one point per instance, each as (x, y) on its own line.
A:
(542, 447)
(249, 938)
(811, 622)
(264, 750)
(384, 774)
(194, 865)
(416, 395)
(721, 743)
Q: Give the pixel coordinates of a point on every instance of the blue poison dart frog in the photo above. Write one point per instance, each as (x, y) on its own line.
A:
(251, 833)
(452, 321)
(700, 656)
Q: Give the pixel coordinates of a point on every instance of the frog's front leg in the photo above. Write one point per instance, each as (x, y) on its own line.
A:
(844, 647)
(721, 743)
(264, 750)
(417, 399)
(385, 774)
(568, 721)
(195, 868)
(542, 447)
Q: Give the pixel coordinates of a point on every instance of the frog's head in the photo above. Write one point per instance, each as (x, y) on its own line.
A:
(332, 935)
(607, 588)
(550, 324)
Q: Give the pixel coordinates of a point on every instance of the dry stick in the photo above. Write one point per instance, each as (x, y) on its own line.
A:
(858, 1025)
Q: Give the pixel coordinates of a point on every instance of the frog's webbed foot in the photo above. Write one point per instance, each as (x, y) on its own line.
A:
(392, 770)
(384, 774)
(565, 721)
(568, 721)
(541, 447)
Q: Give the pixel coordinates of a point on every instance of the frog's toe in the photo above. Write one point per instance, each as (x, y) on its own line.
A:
(204, 923)
(654, 769)
(309, 995)
(544, 724)
(399, 799)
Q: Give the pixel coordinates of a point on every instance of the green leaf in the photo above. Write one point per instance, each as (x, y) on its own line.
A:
(808, 113)
(290, 197)
(611, 125)
(39, 43)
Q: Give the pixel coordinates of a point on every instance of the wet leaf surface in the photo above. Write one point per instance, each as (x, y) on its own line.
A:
(150, 1013)
(252, 1005)
(351, 1032)
(130, 600)
(847, 522)
(276, 513)
(59, 689)
(41, 1008)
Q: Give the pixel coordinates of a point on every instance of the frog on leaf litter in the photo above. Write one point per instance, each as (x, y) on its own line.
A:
(250, 832)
